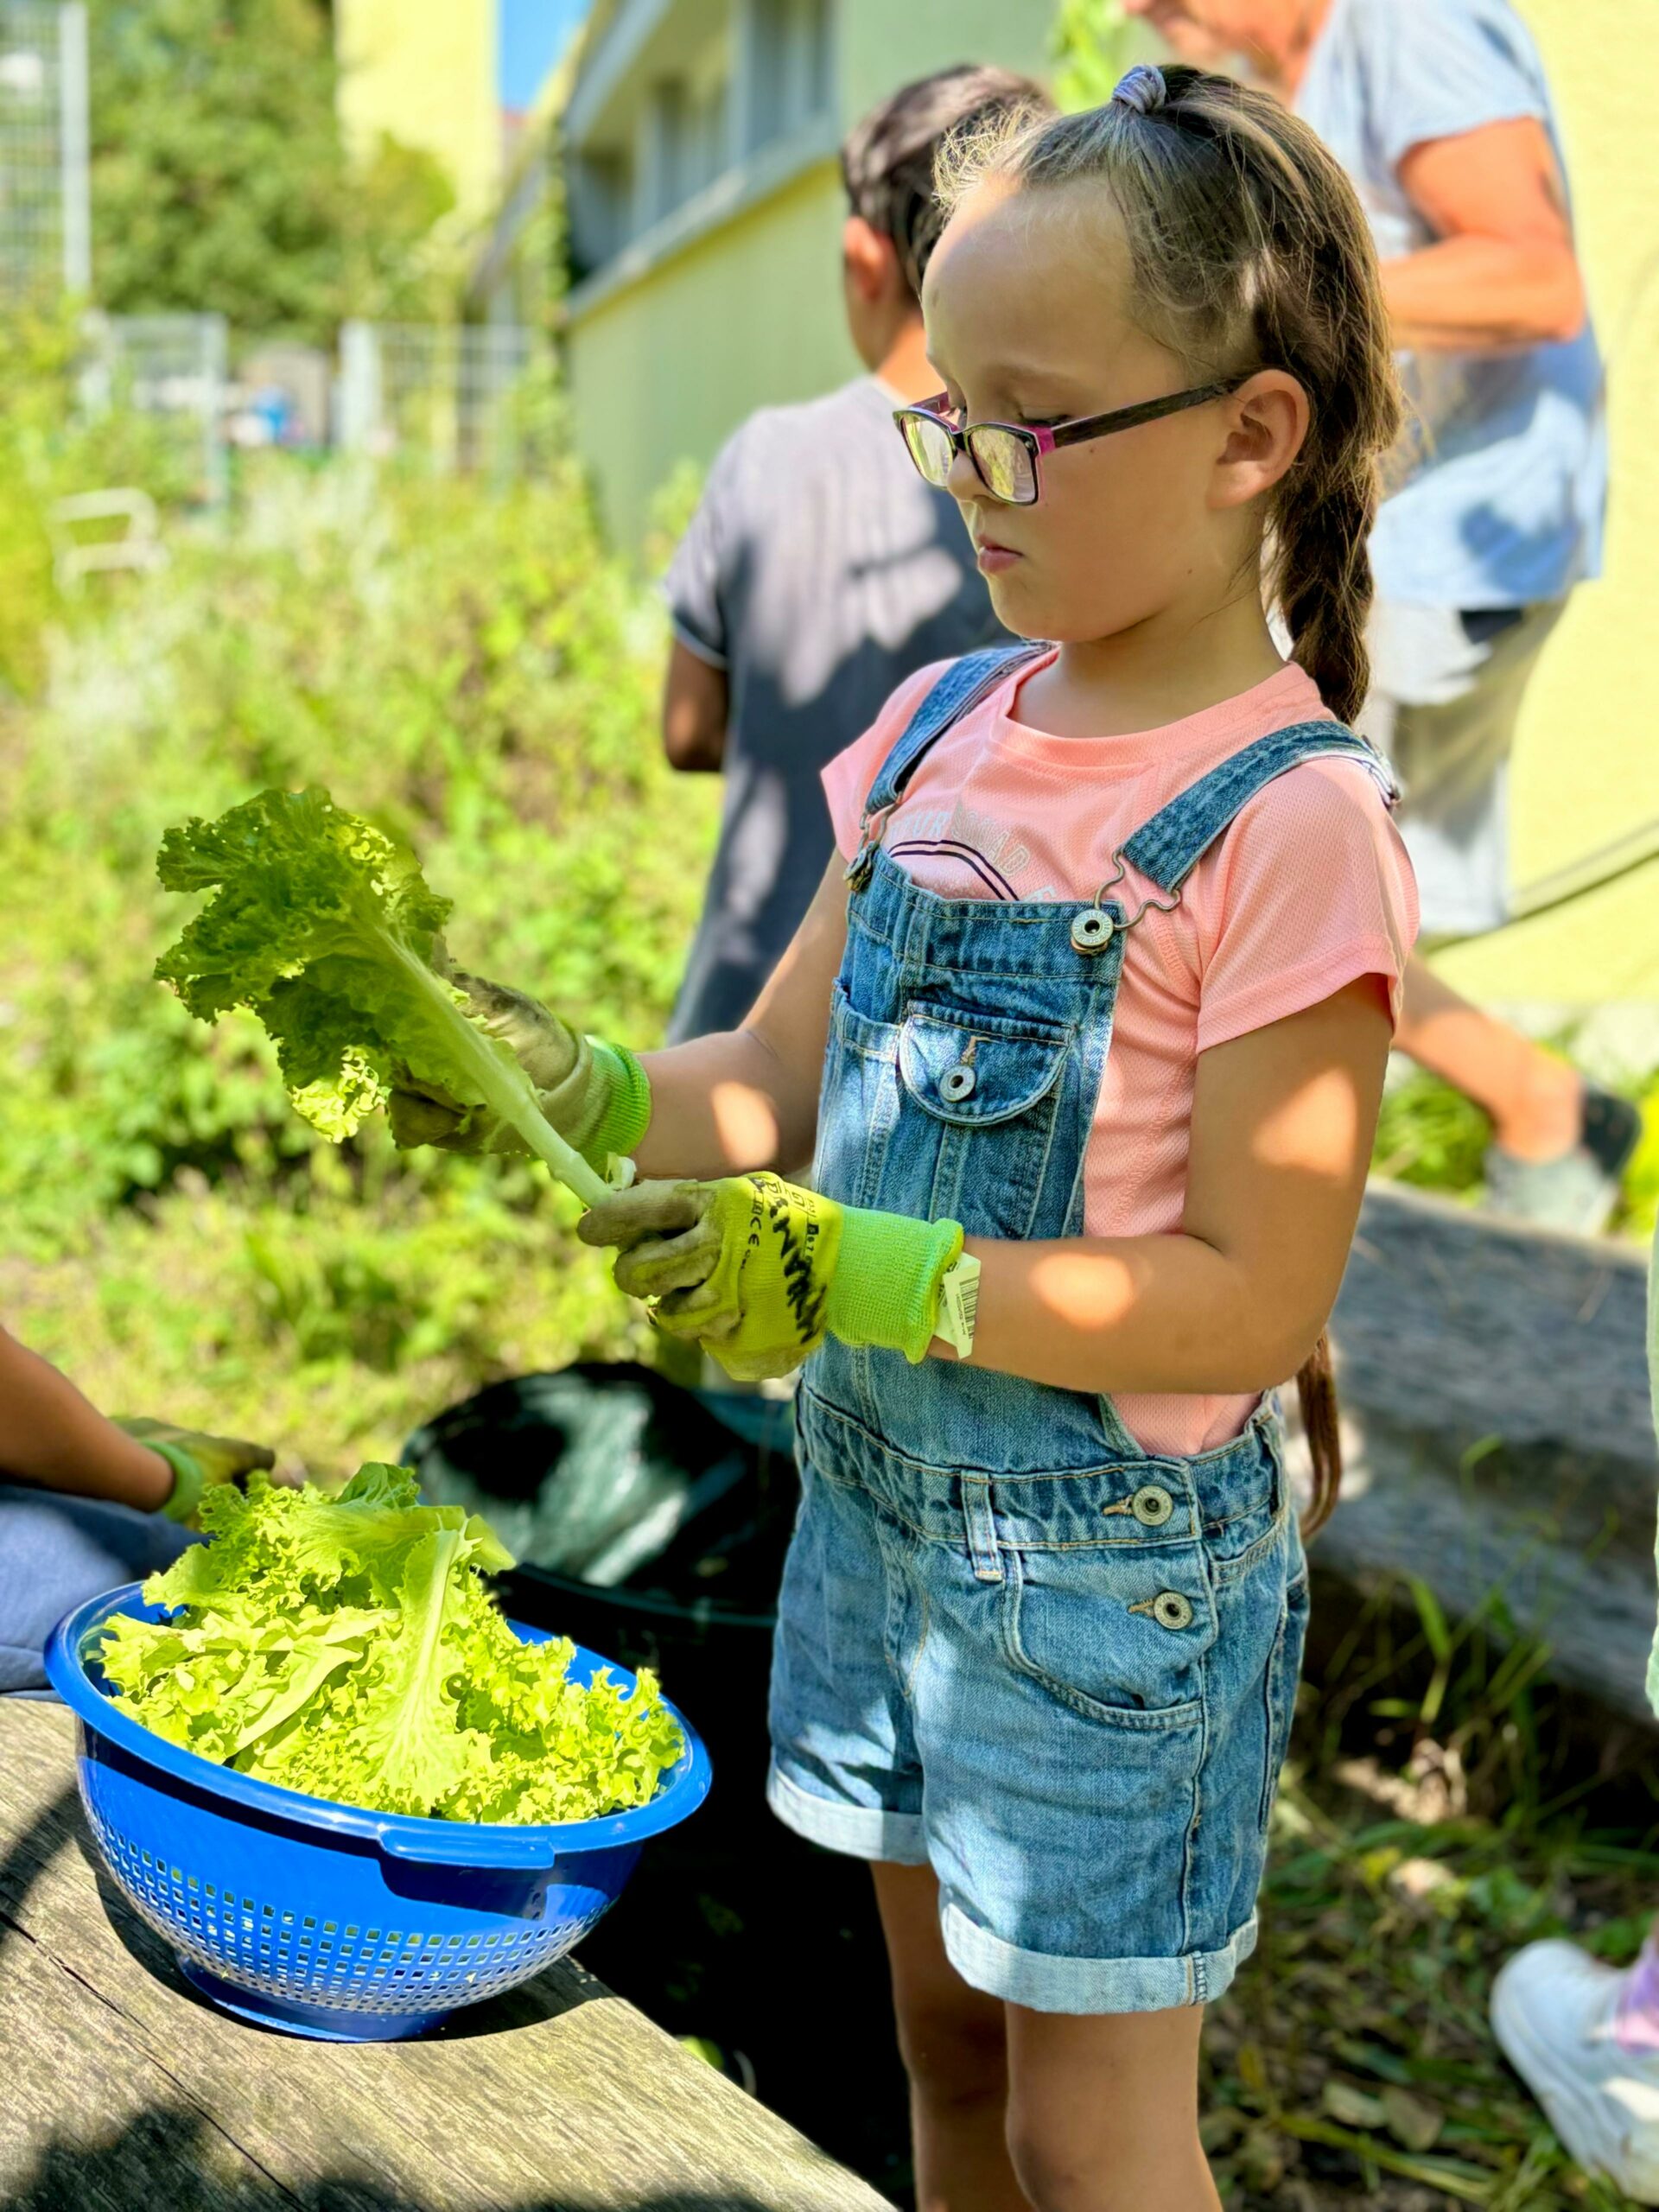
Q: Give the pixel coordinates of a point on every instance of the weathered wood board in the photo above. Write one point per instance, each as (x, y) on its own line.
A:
(1496, 1430)
(121, 2091)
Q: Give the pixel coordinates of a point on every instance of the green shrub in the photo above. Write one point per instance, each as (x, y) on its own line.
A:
(475, 672)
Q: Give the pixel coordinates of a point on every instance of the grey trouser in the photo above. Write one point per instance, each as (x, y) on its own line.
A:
(1445, 695)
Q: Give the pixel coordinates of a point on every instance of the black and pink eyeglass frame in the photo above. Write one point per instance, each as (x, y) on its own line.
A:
(1006, 456)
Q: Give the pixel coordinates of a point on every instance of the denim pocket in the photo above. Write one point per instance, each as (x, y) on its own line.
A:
(1119, 1636)
(985, 1136)
(1284, 1672)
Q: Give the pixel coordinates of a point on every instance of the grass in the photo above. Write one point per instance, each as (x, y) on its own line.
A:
(1442, 1806)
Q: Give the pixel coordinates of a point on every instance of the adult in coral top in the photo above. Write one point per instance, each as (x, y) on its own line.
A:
(1087, 1023)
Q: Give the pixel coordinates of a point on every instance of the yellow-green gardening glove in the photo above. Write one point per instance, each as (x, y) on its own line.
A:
(761, 1271)
(596, 1095)
(198, 1462)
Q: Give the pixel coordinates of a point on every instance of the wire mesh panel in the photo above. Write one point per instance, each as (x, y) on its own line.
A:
(175, 367)
(44, 233)
(442, 397)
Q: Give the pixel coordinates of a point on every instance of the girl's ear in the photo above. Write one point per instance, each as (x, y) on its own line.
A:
(1266, 425)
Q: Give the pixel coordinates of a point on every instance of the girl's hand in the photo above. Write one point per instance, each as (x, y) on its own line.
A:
(594, 1094)
(761, 1270)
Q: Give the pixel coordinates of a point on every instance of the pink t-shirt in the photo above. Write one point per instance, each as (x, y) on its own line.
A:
(1309, 889)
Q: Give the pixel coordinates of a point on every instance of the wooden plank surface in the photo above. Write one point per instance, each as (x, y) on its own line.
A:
(1497, 1432)
(120, 2090)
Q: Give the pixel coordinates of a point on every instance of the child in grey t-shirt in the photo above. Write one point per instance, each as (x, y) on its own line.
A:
(819, 570)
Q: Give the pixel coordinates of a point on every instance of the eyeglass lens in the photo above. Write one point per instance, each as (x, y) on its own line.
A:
(1003, 460)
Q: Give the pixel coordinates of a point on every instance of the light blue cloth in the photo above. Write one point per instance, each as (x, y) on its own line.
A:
(1506, 491)
(55, 1553)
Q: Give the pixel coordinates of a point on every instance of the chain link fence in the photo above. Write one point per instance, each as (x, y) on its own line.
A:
(45, 210)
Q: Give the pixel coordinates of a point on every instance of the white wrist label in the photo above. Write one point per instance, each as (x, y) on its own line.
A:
(959, 1305)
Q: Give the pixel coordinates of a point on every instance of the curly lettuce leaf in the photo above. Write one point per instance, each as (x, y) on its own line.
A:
(349, 1647)
(325, 928)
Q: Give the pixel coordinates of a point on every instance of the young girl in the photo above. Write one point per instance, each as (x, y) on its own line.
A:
(1106, 974)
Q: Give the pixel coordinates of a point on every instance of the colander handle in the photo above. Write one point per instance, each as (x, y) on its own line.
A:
(519, 1854)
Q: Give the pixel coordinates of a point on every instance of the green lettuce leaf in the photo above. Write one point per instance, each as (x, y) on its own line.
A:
(349, 1647)
(324, 927)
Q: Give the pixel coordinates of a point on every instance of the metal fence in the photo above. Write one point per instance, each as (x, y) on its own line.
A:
(441, 396)
(175, 367)
(443, 400)
(45, 208)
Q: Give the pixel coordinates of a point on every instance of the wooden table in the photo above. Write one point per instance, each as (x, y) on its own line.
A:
(122, 2091)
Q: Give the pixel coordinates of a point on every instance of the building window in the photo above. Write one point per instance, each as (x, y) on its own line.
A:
(789, 79)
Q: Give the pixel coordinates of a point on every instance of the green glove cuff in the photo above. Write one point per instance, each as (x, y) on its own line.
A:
(627, 1113)
(886, 1287)
(189, 1481)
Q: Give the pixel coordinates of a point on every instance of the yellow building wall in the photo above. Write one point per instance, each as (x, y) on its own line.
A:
(1587, 766)
(749, 316)
(425, 71)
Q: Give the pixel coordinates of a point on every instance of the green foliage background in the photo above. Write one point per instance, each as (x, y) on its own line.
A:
(479, 675)
(221, 183)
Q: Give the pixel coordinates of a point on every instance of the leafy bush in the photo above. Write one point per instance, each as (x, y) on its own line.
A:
(476, 674)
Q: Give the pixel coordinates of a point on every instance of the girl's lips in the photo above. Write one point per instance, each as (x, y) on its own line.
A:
(993, 558)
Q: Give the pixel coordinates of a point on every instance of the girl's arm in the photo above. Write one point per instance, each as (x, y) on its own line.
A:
(748, 1098)
(1282, 1124)
(49, 1434)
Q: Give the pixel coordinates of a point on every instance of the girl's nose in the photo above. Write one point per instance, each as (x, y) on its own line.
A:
(963, 483)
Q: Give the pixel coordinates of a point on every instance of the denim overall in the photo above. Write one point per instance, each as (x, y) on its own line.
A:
(1011, 1642)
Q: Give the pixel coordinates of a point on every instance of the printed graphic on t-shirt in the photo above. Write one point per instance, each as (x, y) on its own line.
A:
(988, 849)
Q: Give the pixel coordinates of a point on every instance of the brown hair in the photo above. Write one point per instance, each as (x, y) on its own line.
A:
(888, 157)
(1249, 249)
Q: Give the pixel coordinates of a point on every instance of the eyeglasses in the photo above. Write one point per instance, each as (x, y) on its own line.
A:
(1005, 454)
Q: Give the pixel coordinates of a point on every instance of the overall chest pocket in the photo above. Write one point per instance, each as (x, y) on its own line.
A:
(989, 1133)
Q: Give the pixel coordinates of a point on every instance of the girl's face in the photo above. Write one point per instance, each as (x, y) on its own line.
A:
(1026, 304)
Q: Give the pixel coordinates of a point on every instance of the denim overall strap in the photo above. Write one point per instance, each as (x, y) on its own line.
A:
(1168, 848)
(963, 684)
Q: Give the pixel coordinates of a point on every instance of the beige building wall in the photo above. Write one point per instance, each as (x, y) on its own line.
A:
(424, 71)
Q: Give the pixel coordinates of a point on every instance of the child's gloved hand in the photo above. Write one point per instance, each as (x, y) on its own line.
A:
(761, 1270)
(594, 1095)
(198, 1462)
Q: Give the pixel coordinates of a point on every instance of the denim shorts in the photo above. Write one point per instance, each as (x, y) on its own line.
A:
(1070, 1695)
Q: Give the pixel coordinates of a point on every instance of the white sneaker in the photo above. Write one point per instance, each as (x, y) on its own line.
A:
(1554, 2013)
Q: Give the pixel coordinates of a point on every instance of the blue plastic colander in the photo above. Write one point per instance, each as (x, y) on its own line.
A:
(321, 1918)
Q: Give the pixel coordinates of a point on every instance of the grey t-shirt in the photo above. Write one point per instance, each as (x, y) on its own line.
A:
(819, 572)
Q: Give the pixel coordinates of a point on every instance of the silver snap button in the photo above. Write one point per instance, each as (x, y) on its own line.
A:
(957, 1084)
(1092, 932)
(1152, 1505)
(1170, 1610)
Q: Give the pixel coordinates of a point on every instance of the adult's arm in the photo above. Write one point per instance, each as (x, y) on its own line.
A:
(1503, 274)
(1282, 1123)
(695, 707)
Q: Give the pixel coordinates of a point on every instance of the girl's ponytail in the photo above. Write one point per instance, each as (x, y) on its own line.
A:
(1316, 1393)
(1322, 569)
